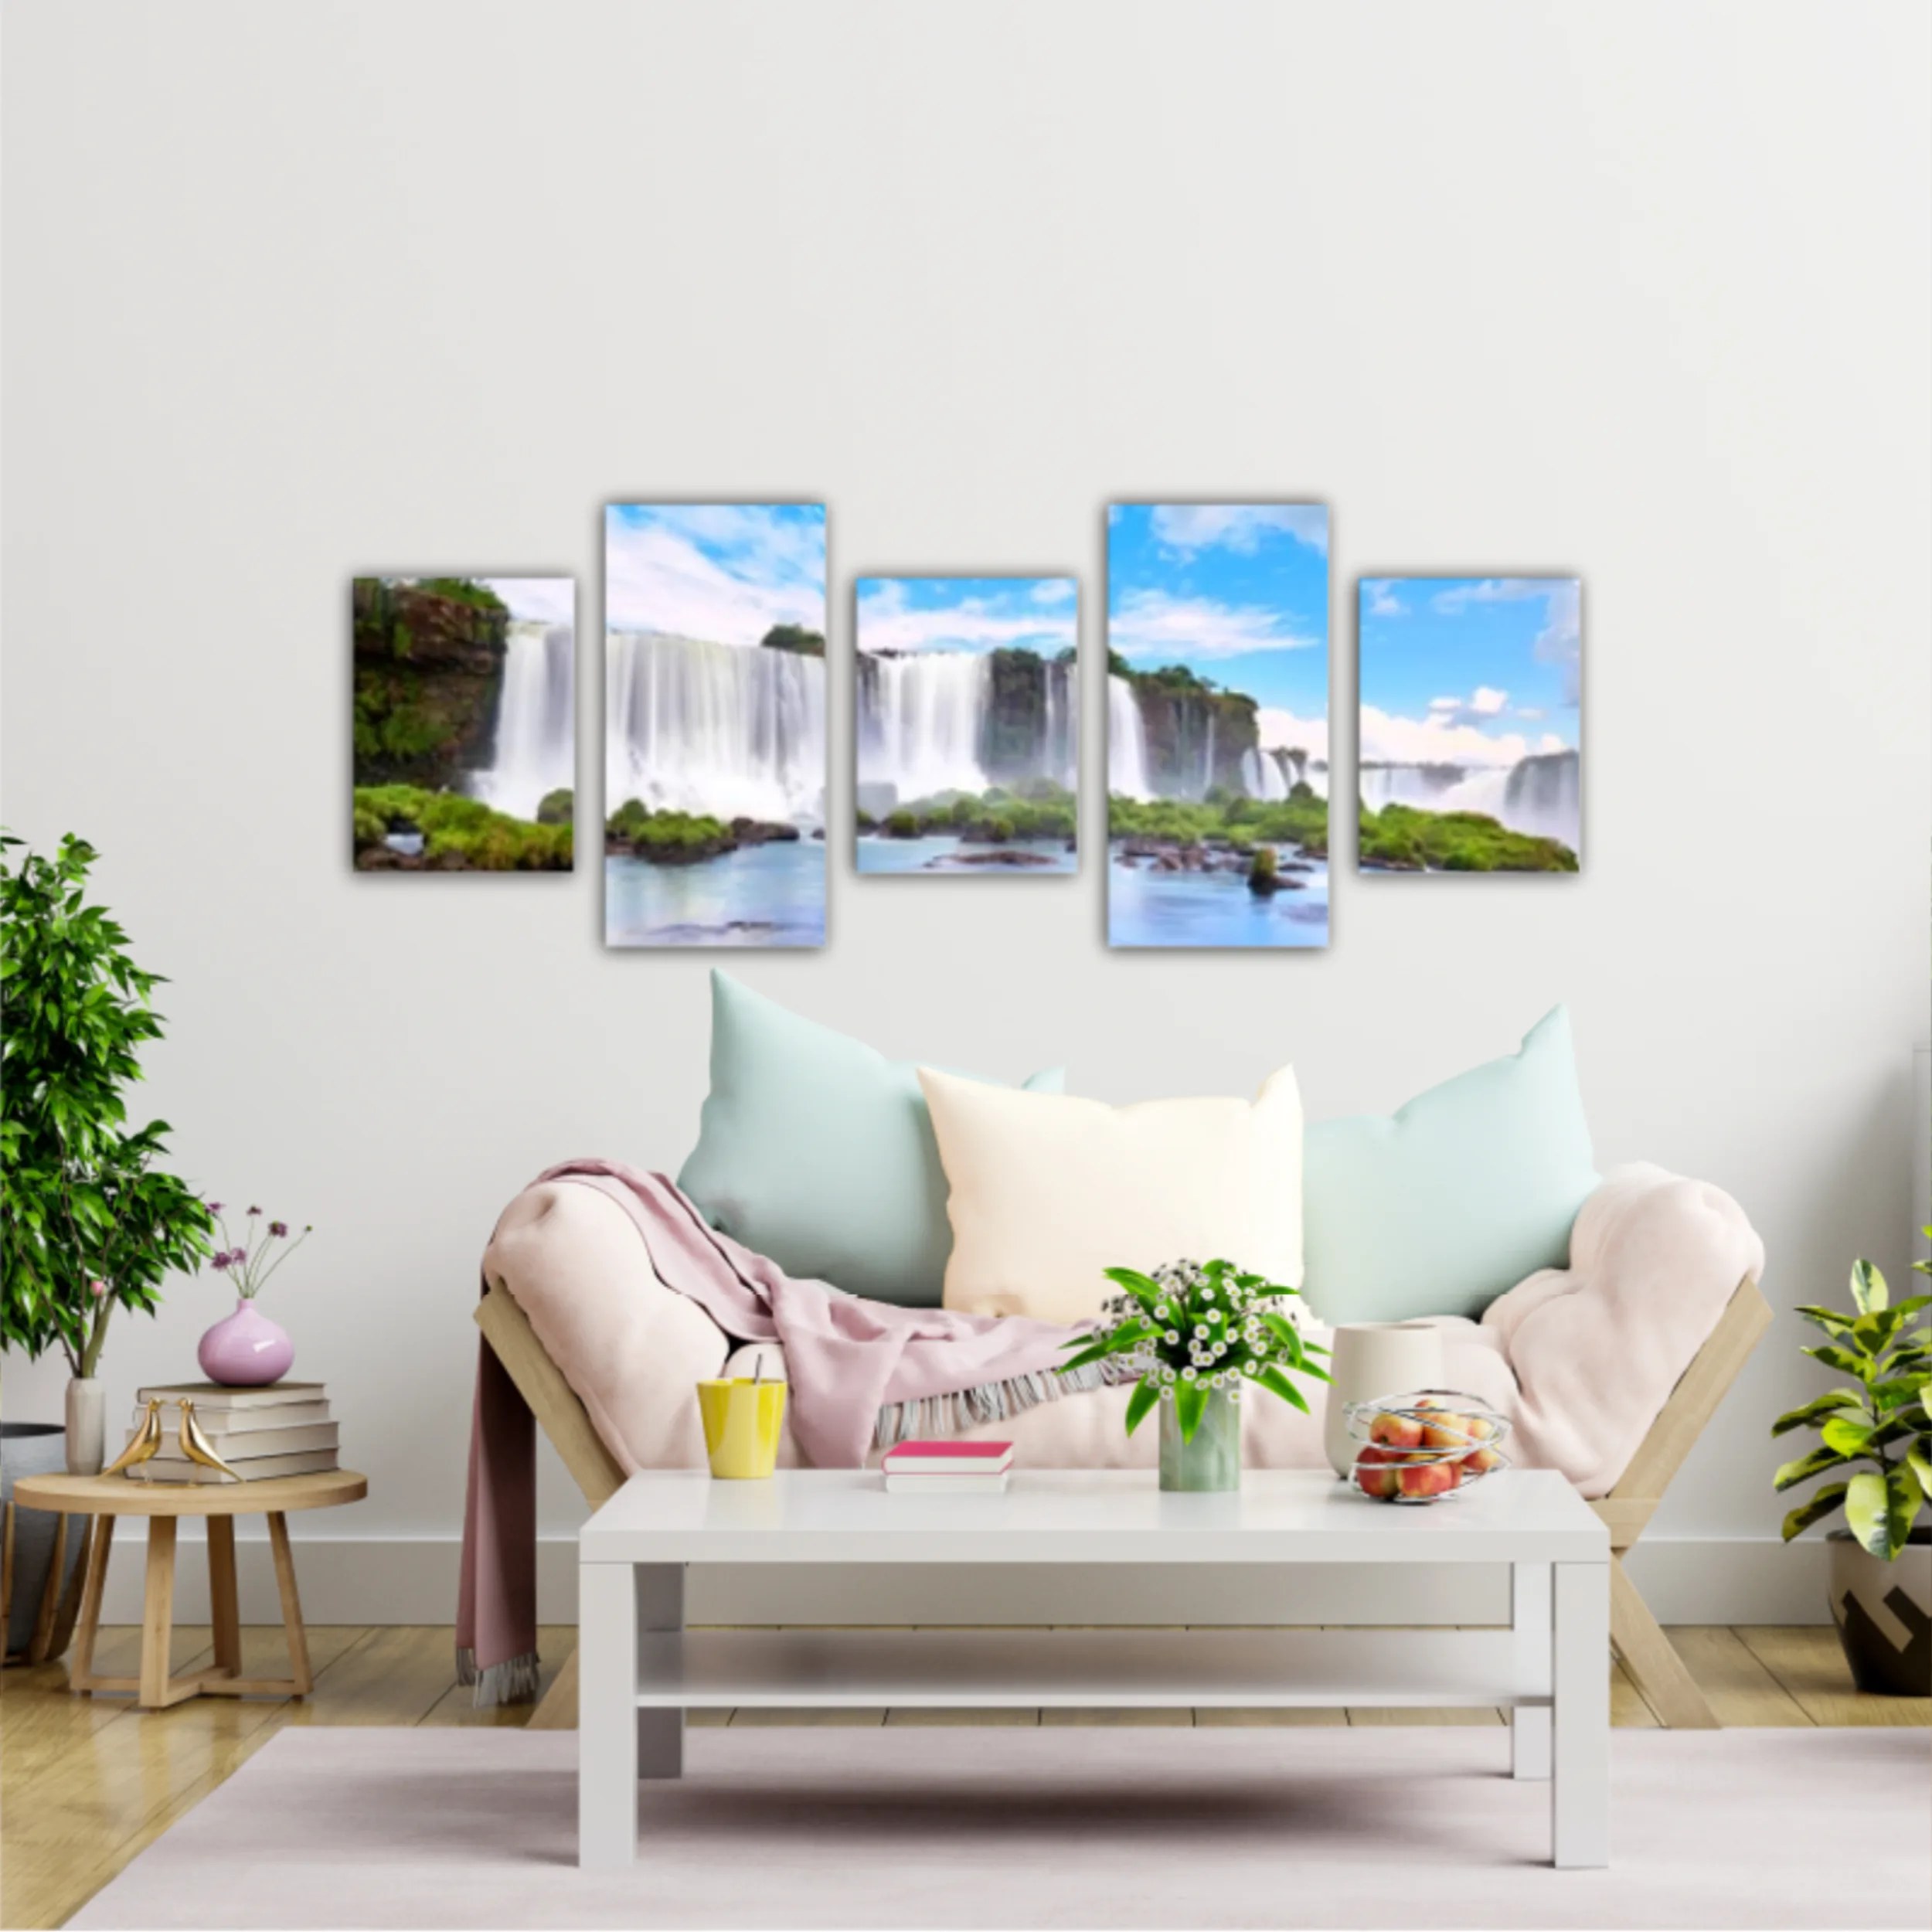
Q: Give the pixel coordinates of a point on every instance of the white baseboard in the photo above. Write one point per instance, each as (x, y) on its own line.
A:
(412, 1580)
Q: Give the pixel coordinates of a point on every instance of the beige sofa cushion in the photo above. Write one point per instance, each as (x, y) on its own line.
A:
(1046, 1191)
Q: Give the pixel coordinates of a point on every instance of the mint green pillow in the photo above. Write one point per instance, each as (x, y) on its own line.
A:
(819, 1153)
(1469, 1188)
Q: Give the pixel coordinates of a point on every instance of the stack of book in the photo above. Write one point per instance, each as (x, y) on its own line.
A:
(947, 1467)
(283, 1430)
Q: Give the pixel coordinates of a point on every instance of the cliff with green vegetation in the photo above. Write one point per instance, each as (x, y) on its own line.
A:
(1240, 823)
(429, 673)
(1197, 733)
(1036, 810)
(1401, 839)
(444, 831)
(1027, 694)
(795, 638)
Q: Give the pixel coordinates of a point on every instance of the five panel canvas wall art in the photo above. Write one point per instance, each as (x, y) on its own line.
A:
(465, 731)
(1217, 775)
(715, 755)
(1470, 753)
(967, 725)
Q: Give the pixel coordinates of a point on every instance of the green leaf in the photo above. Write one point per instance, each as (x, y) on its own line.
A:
(1804, 1468)
(1146, 1392)
(1868, 1512)
(1815, 1411)
(1902, 1498)
(1099, 1353)
(1818, 1505)
(1831, 1320)
(1276, 1383)
(1190, 1404)
(1841, 1359)
(1868, 1291)
(1919, 1463)
(1848, 1437)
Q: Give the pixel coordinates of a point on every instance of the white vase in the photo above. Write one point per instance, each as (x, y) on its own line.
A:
(1373, 1359)
(86, 1426)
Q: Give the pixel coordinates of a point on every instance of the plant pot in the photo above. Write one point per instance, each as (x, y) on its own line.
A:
(245, 1350)
(1212, 1460)
(1883, 1612)
(86, 1431)
(35, 1449)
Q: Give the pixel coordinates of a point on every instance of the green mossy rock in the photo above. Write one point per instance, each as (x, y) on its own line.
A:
(429, 673)
(459, 834)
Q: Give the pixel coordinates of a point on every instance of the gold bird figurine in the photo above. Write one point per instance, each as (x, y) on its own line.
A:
(143, 1446)
(196, 1447)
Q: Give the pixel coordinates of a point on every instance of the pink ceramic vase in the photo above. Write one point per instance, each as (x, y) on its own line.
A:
(245, 1350)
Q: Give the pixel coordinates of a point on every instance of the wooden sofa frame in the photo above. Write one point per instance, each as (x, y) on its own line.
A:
(1654, 1665)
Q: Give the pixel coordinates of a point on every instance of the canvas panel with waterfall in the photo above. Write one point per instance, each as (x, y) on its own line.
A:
(715, 766)
(465, 723)
(1470, 756)
(967, 728)
(1217, 725)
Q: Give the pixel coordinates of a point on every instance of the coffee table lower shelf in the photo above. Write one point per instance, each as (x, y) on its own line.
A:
(795, 1669)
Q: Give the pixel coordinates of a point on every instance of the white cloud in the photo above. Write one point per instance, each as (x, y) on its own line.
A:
(1382, 600)
(657, 578)
(1442, 738)
(1150, 623)
(1187, 527)
(1560, 641)
(1485, 702)
(1283, 731)
(1054, 591)
(1492, 590)
(887, 621)
(542, 599)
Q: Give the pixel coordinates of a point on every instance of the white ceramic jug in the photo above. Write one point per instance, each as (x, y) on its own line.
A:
(1375, 1359)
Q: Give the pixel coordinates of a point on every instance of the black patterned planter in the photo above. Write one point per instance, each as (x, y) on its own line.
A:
(1883, 1612)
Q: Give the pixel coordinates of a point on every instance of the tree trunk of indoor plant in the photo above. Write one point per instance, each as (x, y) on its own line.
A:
(1883, 1612)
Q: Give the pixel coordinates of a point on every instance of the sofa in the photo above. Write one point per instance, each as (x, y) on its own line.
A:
(1608, 1357)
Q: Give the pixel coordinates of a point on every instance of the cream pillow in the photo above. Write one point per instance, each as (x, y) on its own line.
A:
(1046, 1191)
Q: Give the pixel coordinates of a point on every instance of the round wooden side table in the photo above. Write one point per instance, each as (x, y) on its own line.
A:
(164, 1504)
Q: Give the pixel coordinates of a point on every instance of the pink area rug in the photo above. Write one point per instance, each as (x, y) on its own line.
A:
(918, 1826)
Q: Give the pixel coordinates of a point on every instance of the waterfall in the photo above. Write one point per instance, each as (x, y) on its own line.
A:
(920, 721)
(535, 721)
(1061, 753)
(1126, 742)
(1544, 798)
(1264, 776)
(734, 731)
(1539, 795)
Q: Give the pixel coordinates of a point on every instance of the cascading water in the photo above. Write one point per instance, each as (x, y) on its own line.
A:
(920, 721)
(1127, 760)
(535, 721)
(1544, 798)
(1538, 795)
(1262, 776)
(734, 731)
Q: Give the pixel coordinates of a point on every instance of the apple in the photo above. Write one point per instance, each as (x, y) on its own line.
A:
(1396, 1431)
(1444, 1430)
(1480, 1462)
(1424, 1480)
(1375, 1474)
(1482, 1427)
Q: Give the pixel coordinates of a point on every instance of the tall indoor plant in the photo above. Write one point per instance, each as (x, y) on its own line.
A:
(91, 1223)
(1876, 1444)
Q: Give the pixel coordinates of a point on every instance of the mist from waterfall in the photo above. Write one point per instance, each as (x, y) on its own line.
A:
(535, 751)
(735, 731)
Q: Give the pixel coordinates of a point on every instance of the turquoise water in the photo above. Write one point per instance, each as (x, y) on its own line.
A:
(763, 895)
(939, 855)
(1149, 908)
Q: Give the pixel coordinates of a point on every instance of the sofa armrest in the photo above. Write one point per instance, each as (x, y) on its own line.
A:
(1597, 1347)
(632, 1350)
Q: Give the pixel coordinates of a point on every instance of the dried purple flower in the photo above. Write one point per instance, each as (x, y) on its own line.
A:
(214, 1207)
(254, 1211)
(219, 1264)
(278, 1229)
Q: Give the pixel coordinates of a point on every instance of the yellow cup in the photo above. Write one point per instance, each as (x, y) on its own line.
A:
(742, 1421)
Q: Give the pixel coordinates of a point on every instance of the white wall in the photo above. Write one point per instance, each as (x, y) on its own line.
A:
(1640, 292)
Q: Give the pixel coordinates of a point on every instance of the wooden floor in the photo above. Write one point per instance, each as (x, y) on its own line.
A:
(85, 1783)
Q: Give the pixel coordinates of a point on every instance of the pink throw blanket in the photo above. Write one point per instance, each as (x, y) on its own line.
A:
(846, 1358)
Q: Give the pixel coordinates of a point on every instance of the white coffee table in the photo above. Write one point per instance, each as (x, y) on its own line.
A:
(640, 1670)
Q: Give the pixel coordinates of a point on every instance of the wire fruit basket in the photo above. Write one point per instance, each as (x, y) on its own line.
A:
(1420, 1447)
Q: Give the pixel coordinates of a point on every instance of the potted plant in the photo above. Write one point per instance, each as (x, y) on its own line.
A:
(1879, 1430)
(1196, 1337)
(92, 1224)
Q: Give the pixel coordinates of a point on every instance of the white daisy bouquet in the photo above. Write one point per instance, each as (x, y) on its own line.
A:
(1192, 1328)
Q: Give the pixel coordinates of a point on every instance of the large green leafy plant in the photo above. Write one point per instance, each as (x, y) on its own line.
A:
(1879, 1428)
(90, 1223)
(1191, 1328)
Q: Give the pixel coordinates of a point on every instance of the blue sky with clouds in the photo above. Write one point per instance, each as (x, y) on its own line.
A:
(1457, 668)
(968, 613)
(723, 572)
(1238, 592)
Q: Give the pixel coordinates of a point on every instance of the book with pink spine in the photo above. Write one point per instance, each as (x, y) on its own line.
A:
(946, 1465)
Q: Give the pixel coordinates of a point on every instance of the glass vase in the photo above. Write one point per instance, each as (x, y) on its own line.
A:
(1212, 1460)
